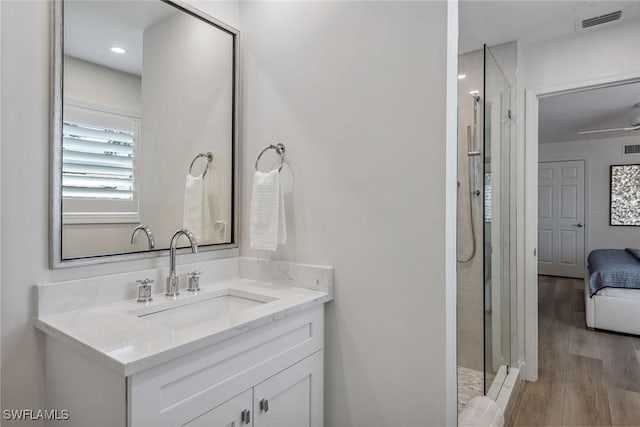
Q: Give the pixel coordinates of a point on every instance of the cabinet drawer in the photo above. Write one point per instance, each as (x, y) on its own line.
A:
(178, 391)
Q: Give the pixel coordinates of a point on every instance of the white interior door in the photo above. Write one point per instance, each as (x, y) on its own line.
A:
(561, 225)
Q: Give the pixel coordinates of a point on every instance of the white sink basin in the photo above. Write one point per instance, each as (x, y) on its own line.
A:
(225, 305)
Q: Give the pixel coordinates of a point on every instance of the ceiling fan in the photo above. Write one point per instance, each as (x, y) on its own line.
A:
(635, 125)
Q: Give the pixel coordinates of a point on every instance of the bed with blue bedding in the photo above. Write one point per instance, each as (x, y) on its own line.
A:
(612, 290)
(613, 268)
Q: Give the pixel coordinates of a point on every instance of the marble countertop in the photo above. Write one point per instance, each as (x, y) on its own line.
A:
(115, 335)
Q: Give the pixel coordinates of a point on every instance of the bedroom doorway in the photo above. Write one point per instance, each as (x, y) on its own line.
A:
(561, 218)
(570, 144)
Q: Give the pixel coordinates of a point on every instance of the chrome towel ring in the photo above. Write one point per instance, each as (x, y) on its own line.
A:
(208, 156)
(280, 149)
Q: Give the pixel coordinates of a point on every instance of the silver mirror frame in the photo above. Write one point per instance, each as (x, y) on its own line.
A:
(55, 155)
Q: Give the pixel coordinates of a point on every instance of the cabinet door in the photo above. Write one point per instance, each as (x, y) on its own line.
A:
(232, 413)
(292, 398)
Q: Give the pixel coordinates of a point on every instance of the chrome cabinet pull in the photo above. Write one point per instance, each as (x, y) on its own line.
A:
(264, 405)
(245, 416)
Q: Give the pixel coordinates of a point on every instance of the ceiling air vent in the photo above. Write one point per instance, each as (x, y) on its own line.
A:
(632, 149)
(602, 19)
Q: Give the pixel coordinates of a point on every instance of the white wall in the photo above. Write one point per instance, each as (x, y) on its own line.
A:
(25, 166)
(599, 154)
(356, 91)
(96, 85)
(25, 37)
(581, 56)
(546, 65)
(226, 11)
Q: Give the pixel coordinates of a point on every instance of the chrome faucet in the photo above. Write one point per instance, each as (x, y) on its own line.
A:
(173, 285)
(147, 231)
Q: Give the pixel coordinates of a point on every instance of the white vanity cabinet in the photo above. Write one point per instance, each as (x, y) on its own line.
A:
(270, 375)
(291, 398)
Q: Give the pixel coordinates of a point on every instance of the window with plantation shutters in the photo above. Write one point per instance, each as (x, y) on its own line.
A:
(99, 164)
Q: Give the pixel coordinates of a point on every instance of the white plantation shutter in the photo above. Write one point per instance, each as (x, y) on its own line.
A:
(488, 200)
(98, 161)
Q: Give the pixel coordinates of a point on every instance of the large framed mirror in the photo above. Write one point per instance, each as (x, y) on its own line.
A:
(144, 130)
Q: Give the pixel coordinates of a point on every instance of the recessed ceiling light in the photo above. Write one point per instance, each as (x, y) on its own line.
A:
(118, 50)
(462, 76)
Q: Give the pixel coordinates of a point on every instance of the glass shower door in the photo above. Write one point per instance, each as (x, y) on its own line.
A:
(497, 225)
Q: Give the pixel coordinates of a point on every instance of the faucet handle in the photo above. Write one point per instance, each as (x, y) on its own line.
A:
(144, 290)
(194, 281)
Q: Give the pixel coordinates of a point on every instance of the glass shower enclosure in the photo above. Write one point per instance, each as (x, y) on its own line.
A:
(486, 221)
(498, 138)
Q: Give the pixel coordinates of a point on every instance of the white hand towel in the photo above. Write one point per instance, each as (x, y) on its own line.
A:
(267, 226)
(197, 212)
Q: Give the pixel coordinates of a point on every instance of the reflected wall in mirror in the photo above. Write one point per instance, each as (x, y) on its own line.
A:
(144, 91)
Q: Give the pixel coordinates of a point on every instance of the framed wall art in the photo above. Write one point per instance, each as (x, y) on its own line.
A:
(624, 201)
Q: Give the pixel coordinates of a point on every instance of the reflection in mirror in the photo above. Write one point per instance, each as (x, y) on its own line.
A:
(148, 93)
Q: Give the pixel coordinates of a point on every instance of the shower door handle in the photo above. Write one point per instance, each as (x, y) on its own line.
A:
(579, 225)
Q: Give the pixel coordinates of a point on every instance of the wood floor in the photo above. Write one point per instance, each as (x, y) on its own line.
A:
(586, 378)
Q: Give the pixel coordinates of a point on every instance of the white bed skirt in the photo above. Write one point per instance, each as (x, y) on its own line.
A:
(614, 310)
